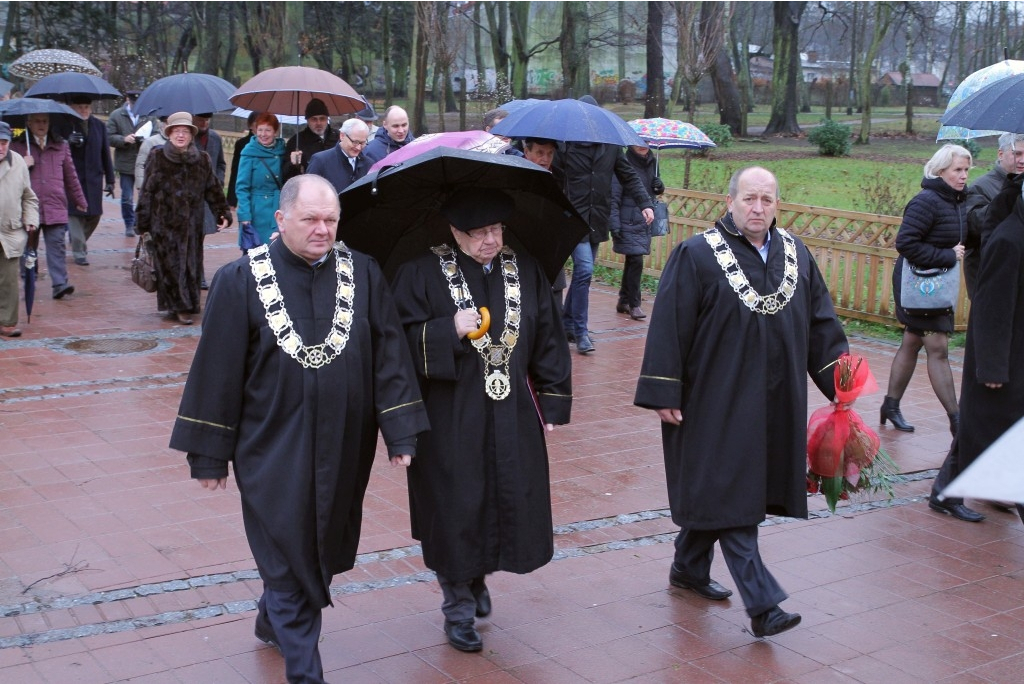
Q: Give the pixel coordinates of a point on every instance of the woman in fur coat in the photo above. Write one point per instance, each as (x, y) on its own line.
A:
(179, 179)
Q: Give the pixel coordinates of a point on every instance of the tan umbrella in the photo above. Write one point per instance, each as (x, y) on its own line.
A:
(39, 63)
(287, 90)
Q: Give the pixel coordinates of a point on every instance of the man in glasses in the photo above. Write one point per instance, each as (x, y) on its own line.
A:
(345, 163)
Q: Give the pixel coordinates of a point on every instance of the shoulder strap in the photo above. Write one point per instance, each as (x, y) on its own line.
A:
(276, 179)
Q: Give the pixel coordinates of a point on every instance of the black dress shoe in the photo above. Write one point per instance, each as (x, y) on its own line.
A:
(711, 590)
(81, 261)
(637, 314)
(622, 308)
(61, 290)
(956, 510)
(483, 602)
(265, 632)
(463, 636)
(773, 622)
(584, 345)
(570, 336)
(203, 285)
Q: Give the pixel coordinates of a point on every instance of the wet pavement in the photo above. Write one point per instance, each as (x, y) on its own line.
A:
(116, 567)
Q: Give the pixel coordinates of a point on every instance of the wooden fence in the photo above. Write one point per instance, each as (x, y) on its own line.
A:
(854, 250)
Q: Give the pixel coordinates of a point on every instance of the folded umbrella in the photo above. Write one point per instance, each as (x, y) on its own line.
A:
(36, 64)
(567, 120)
(68, 84)
(192, 93)
(393, 214)
(30, 271)
(480, 141)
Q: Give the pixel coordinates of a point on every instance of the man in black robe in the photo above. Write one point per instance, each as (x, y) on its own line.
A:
(479, 491)
(301, 360)
(741, 317)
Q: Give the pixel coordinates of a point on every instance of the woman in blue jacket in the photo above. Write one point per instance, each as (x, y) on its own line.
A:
(260, 177)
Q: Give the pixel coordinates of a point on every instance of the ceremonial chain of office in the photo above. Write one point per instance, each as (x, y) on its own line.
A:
(309, 356)
(497, 382)
(760, 304)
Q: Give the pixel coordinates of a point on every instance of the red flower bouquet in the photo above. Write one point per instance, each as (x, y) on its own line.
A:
(844, 455)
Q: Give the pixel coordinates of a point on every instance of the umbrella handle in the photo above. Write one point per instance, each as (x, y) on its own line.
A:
(485, 324)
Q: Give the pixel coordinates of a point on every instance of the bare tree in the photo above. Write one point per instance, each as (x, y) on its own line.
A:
(654, 102)
(699, 35)
(497, 20)
(727, 94)
(519, 18)
(444, 39)
(883, 19)
(575, 40)
(786, 68)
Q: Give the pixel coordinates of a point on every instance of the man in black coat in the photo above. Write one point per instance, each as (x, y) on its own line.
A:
(91, 154)
(741, 317)
(316, 137)
(345, 163)
(209, 141)
(293, 390)
(588, 169)
(237, 157)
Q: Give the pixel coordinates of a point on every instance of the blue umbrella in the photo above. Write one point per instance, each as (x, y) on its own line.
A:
(569, 121)
(20, 107)
(970, 85)
(30, 271)
(71, 83)
(999, 106)
(192, 93)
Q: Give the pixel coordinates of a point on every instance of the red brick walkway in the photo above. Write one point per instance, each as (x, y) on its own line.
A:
(114, 566)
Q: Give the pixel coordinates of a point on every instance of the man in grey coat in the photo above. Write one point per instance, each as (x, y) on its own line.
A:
(122, 126)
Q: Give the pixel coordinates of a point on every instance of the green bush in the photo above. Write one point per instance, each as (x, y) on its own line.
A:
(720, 135)
(971, 146)
(832, 139)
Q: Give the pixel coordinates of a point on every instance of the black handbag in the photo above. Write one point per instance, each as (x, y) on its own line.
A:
(143, 270)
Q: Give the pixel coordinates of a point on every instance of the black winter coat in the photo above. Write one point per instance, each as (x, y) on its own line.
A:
(631, 235)
(933, 223)
(94, 166)
(588, 169)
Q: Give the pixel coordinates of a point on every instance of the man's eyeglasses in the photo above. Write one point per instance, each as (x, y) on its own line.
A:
(481, 233)
(357, 143)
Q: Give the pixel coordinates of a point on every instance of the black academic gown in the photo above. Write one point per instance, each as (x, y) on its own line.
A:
(740, 379)
(302, 440)
(995, 342)
(479, 488)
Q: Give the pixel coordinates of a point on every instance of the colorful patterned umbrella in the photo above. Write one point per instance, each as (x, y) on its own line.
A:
(970, 85)
(39, 63)
(664, 134)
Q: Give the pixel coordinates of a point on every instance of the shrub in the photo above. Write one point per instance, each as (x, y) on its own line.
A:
(971, 146)
(720, 135)
(832, 139)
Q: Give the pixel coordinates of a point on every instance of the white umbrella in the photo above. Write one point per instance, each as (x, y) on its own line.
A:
(997, 474)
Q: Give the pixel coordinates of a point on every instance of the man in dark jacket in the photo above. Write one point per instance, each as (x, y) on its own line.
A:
(121, 128)
(345, 163)
(750, 283)
(90, 152)
(316, 137)
(392, 135)
(209, 141)
(1010, 160)
(237, 157)
(588, 169)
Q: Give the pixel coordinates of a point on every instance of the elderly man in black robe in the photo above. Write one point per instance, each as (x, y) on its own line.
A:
(741, 317)
(301, 360)
(479, 493)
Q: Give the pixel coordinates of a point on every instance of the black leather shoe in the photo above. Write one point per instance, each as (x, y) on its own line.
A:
(570, 336)
(956, 510)
(61, 290)
(773, 622)
(636, 313)
(463, 636)
(622, 308)
(712, 590)
(584, 345)
(483, 602)
(203, 285)
(265, 632)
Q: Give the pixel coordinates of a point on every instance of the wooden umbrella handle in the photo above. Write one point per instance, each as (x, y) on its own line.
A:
(485, 324)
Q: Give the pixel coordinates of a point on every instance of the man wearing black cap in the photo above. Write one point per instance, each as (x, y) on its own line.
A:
(478, 491)
(90, 152)
(122, 126)
(316, 137)
(368, 115)
(209, 141)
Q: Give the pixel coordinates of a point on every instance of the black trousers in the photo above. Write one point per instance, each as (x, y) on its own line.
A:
(459, 602)
(949, 470)
(632, 271)
(295, 624)
(695, 549)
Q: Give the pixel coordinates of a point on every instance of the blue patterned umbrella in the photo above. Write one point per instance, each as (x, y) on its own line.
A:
(970, 85)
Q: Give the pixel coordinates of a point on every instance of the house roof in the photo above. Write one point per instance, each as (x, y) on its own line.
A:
(924, 80)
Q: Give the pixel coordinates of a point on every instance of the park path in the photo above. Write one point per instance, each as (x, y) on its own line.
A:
(115, 567)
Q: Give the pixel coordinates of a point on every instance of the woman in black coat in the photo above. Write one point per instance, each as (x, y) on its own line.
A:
(631, 234)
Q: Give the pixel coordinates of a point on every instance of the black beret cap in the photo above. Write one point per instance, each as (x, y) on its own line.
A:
(476, 207)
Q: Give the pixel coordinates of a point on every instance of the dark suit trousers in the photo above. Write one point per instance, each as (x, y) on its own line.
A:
(296, 624)
(695, 550)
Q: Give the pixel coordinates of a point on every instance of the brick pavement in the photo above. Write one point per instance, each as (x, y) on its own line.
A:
(115, 567)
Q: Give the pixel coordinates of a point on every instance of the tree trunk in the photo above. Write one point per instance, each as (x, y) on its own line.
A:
(883, 17)
(741, 23)
(13, 14)
(727, 94)
(478, 50)
(497, 19)
(228, 69)
(786, 70)
(654, 102)
(206, 20)
(389, 75)
(519, 19)
(853, 61)
(419, 51)
(575, 49)
(620, 52)
(908, 79)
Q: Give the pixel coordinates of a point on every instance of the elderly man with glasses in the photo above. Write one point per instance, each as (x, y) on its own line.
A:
(345, 163)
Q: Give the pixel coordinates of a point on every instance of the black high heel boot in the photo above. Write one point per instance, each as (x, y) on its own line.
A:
(954, 423)
(891, 410)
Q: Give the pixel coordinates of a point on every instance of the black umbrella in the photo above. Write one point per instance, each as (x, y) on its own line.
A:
(30, 271)
(15, 111)
(192, 93)
(999, 106)
(72, 83)
(392, 214)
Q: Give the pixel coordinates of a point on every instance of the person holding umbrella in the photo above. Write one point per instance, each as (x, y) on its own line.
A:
(122, 127)
(90, 152)
(19, 216)
(316, 137)
(56, 183)
(179, 181)
(260, 178)
(478, 491)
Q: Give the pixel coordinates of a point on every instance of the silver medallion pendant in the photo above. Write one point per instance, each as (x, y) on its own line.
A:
(497, 385)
